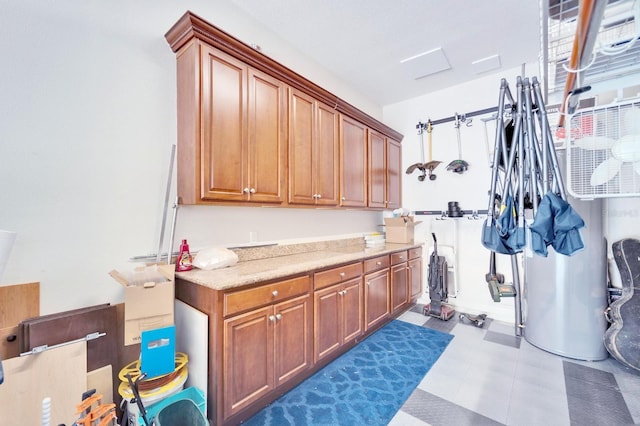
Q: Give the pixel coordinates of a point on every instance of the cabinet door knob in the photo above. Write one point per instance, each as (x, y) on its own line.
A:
(378, 263)
(252, 190)
(342, 274)
(318, 196)
(368, 282)
(245, 190)
(278, 317)
(272, 318)
(275, 293)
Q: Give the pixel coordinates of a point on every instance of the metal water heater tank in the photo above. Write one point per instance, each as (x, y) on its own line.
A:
(565, 296)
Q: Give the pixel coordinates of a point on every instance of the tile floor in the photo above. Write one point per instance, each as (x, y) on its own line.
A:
(488, 376)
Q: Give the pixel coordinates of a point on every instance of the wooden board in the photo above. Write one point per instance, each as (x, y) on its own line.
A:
(9, 344)
(18, 302)
(72, 325)
(102, 381)
(59, 373)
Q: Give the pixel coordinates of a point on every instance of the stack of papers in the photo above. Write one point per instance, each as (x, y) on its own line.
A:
(374, 240)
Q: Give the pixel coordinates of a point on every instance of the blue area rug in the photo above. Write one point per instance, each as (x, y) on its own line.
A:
(365, 386)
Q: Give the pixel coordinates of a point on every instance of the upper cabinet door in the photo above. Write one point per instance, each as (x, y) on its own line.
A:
(394, 174)
(301, 146)
(267, 138)
(224, 142)
(327, 158)
(377, 170)
(353, 163)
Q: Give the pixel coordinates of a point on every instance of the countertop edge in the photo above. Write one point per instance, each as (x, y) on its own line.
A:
(255, 271)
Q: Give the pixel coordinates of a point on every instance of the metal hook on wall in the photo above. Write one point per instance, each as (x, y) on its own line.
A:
(464, 119)
(474, 215)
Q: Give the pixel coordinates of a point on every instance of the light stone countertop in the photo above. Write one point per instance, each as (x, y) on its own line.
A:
(270, 268)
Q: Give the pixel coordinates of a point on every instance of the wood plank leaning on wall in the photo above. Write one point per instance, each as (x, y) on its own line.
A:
(17, 303)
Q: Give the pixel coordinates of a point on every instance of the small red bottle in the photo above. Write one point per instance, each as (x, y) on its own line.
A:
(184, 262)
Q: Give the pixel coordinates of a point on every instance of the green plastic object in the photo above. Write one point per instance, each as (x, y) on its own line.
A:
(180, 413)
(498, 290)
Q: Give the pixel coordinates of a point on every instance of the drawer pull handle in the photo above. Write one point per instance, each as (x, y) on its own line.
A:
(342, 274)
(278, 317)
(275, 293)
(378, 263)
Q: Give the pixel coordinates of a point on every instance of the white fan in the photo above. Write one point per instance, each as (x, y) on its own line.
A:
(603, 158)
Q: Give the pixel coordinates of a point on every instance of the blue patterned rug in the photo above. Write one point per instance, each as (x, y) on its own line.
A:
(365, 386)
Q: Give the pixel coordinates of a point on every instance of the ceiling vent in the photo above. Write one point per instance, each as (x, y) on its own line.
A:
(424, 64)
(486, 64)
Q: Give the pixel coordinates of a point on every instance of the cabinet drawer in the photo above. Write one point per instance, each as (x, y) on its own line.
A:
(376, 263)
(399, 257)
(243, 300)
(335, 275)
(415, 252)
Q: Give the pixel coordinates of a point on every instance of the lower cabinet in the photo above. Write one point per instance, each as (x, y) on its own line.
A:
(265, 338)
(337, 316)
(399, 281)
(399, 286)
(376, 298)
(414, 267)
(264, 348)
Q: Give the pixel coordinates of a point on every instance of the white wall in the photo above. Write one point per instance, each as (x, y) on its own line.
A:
(87, 119)
(469, 189)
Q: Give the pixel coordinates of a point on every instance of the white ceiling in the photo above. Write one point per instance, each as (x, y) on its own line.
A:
(363, 41)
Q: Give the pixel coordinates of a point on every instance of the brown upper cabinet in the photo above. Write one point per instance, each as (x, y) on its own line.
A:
(394, 174)
(377, 170)
(236, 121)
(353, 163)
(313, 151)
(251, 130)
(385, 158)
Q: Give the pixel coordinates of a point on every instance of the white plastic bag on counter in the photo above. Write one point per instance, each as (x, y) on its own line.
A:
(214, 258)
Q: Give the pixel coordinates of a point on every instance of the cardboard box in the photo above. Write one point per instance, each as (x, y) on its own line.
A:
(399, 229)
(148, 304)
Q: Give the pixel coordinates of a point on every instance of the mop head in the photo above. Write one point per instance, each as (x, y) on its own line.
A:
(475, 320)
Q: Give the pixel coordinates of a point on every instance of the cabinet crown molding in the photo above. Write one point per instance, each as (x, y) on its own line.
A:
(191, 26)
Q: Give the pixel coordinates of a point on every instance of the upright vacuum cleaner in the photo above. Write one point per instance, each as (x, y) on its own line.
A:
(438, 286)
